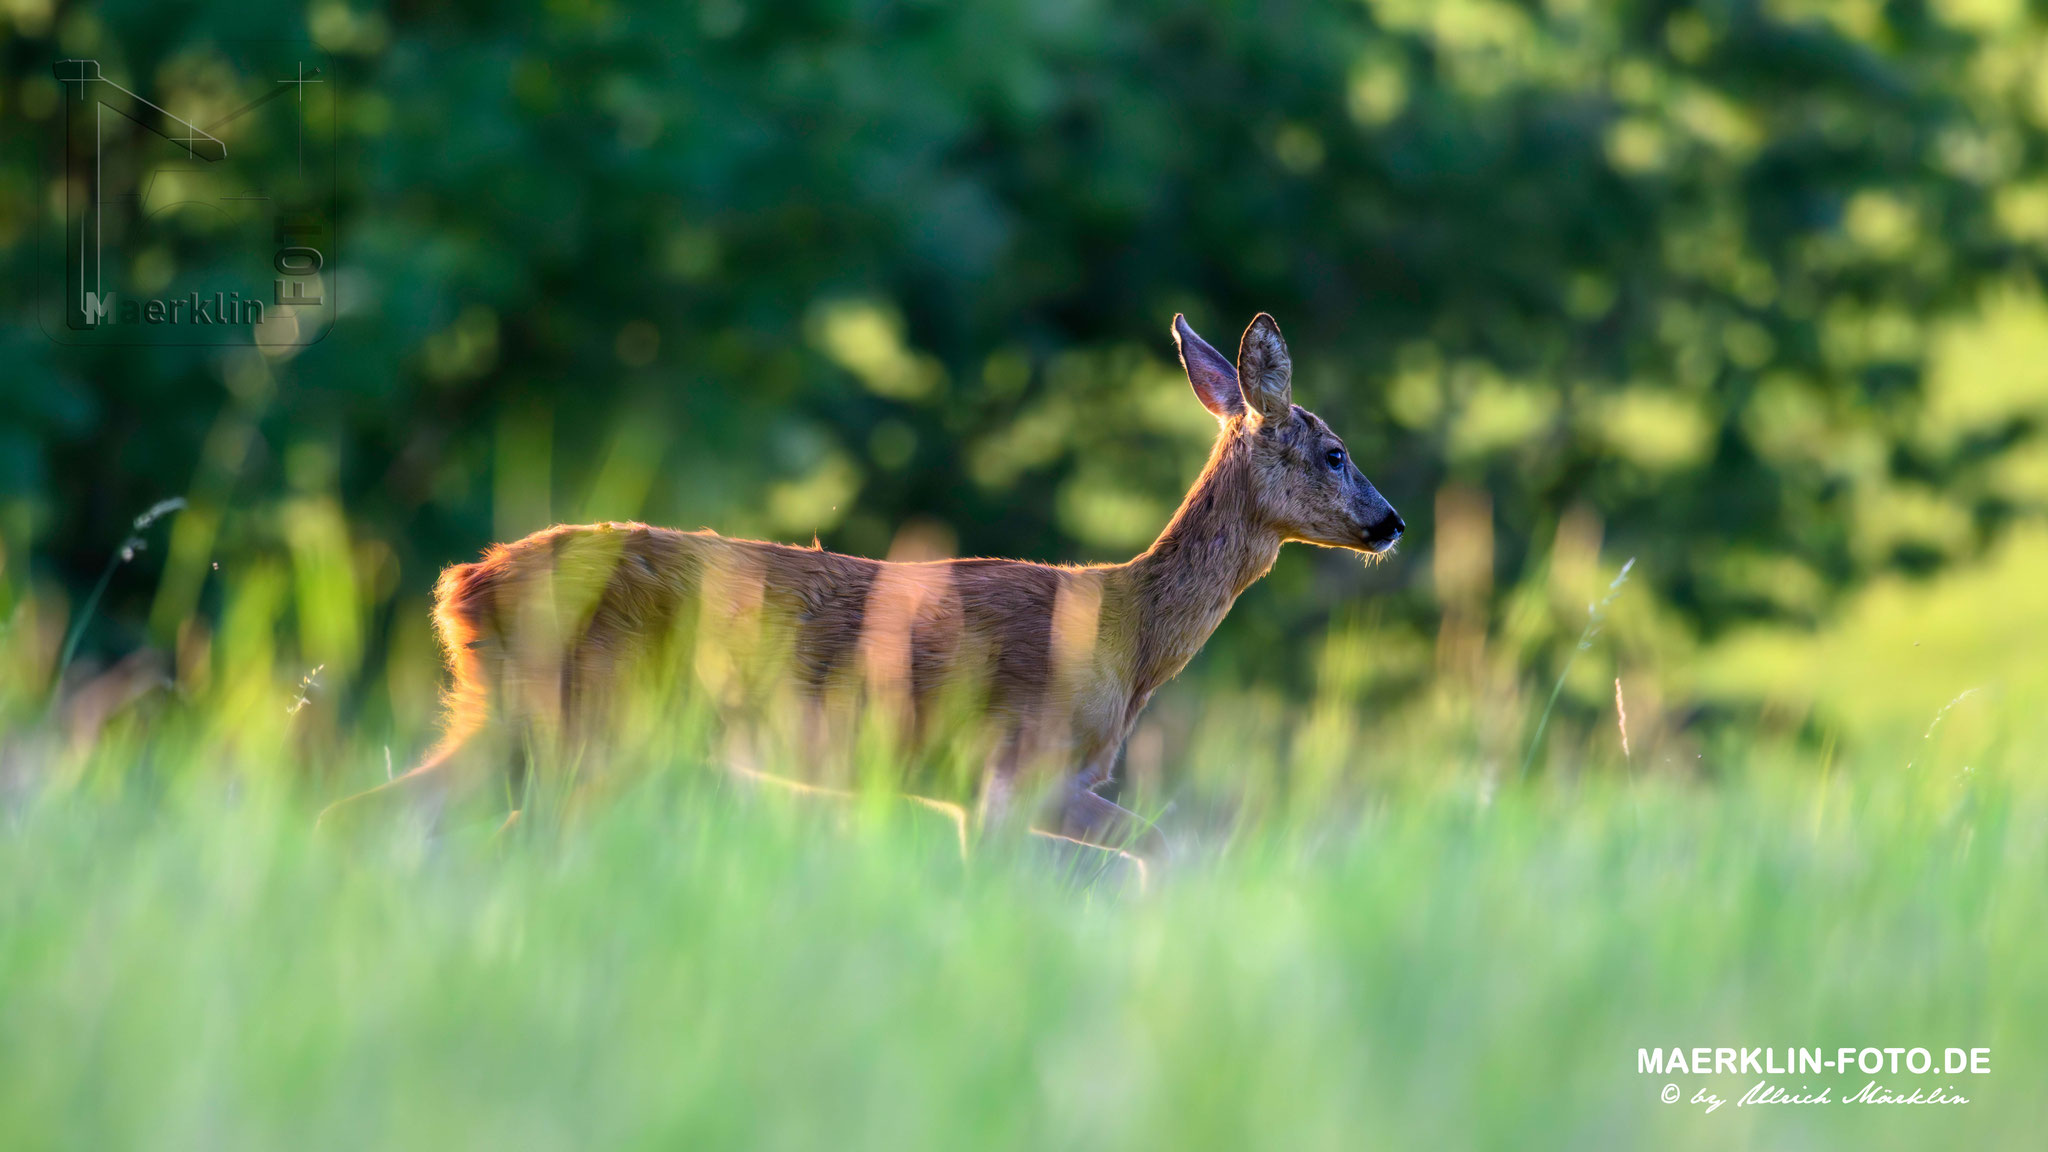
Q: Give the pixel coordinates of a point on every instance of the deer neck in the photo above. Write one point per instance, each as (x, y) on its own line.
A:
(1214, 548)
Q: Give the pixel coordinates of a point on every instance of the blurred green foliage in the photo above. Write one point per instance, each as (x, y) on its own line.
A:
(1750, 290)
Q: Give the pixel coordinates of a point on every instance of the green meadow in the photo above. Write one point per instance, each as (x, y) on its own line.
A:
(1370, 934)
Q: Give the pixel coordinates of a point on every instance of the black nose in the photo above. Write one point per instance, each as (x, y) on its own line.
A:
(1382, 535)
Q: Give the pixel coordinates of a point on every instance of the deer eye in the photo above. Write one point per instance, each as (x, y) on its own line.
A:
(1334, 457)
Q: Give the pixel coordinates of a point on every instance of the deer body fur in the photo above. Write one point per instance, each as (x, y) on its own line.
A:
(1061, 660)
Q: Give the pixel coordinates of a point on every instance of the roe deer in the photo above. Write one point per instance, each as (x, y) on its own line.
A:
(1063, 658)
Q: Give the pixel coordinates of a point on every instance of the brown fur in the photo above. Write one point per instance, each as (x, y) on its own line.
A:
(1060, 661)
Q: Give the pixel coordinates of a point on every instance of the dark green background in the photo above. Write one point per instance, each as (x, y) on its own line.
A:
(1500, 208)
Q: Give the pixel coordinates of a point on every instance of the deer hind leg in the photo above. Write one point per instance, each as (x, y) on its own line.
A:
(454, 771)
(996, 808)
(1092, 838)
(950, 819)
(821, 737)
(1088, 863)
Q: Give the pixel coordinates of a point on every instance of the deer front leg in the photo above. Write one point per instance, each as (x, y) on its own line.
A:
(1079, 812)
(1086, 815)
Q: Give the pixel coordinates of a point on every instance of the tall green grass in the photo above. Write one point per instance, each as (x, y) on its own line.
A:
(184, 966)
(1376, 932)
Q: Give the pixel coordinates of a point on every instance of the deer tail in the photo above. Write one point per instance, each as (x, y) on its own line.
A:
(462, 623)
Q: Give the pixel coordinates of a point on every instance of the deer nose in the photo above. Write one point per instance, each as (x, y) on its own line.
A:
(1381, 536)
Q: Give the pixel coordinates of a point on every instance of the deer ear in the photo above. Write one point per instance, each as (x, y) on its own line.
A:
(1214, 380)
(1264, 371)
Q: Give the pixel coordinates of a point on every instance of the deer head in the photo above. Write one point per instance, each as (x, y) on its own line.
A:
(1304, 484)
